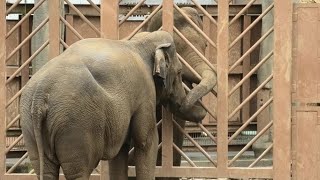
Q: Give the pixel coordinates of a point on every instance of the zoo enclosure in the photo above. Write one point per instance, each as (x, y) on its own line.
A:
(109, 28)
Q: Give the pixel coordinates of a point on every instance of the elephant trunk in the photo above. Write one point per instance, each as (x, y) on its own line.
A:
(194, 114)
(205, 85)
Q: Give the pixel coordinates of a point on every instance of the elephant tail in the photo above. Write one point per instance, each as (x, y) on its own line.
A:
(38, 114)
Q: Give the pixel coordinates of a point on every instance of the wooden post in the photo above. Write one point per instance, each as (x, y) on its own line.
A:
(222, 73)
(167, 124)
(54, 28)
(282, 89)
(109, 19)
(109, 23)
(3, 29)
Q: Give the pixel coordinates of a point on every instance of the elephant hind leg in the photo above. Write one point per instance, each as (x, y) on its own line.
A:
(77, 154)
(50, 172)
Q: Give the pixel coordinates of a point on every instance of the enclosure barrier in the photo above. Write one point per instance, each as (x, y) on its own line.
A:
(228, 102)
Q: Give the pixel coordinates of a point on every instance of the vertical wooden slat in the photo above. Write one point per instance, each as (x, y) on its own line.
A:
(222, 73)
(167, 139)
(109, 19)
(209, 100)
(2, 87)
(104, 171)
(246, 69)
(167, 124)
(167, 15)
(25, 51)
(54, 28)
(109, 23)
(70, 37)
(282, 89)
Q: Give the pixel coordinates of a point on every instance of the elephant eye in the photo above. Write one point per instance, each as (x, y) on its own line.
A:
(179, 71)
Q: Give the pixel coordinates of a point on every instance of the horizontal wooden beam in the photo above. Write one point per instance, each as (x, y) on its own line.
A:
(11, 69)
(33, 177)
(89, 10)
(205, 172)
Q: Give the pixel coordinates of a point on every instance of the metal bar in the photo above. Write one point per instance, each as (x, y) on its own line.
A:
(132, 149)
(71, 28)
(205, 12)
(250, 50)
(250, 143)
(143, 23)
(27, 61)
(131, 12)
(203, 105)
(3, 88)
(195, 26)
(251, 96)
(24, 18)
(13, 6)
(13, 121)
(94, 6)
(261, 156)
(282, 90)
(247, 76)
(195, 73)
(65, 45)
(184, 155)
(14, 143)
(251, 25)
(86, 20)
(14, 97)
(18, 163)
(27, 38)
(195, 49)
(244, 125)
(109, 19)
(208, 133)
(195, 143)
(222, 81)
(242, 12)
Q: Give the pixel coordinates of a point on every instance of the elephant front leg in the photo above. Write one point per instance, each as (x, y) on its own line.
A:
(145, 136)
(145, 157)
(118, 167)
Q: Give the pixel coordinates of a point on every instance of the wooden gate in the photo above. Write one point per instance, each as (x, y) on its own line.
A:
(226, 54)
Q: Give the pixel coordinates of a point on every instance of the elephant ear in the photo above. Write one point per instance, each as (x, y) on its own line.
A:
(160, 62)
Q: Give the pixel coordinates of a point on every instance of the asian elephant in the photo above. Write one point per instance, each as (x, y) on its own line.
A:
(209, 77)
(83, 105)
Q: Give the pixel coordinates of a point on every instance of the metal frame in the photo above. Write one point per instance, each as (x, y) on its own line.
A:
(281, 100)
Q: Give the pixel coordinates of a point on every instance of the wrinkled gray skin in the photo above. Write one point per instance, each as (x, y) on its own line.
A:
(208, 75)
(82, 106)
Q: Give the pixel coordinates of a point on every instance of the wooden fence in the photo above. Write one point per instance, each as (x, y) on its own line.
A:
(233, 37)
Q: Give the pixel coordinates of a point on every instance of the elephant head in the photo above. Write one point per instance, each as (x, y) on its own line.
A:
(167, 73)
(208, 75)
